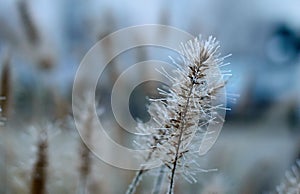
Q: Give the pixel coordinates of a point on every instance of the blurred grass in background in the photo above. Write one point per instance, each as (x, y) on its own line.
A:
(43, 42)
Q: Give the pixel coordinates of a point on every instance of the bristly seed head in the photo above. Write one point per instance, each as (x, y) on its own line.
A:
(187, 108)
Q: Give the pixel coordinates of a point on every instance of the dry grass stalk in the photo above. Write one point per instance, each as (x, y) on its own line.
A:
(29, 26)
(6, 88)
(87, 122)
(39, 171)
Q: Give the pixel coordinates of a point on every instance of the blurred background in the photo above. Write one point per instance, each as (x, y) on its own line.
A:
(43, 42)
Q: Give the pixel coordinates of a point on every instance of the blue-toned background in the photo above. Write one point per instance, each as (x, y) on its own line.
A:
(43, 43)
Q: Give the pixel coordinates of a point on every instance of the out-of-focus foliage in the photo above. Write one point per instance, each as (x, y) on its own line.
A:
(43, 42)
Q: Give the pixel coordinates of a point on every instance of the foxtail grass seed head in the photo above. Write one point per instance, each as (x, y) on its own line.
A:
(179, 119)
